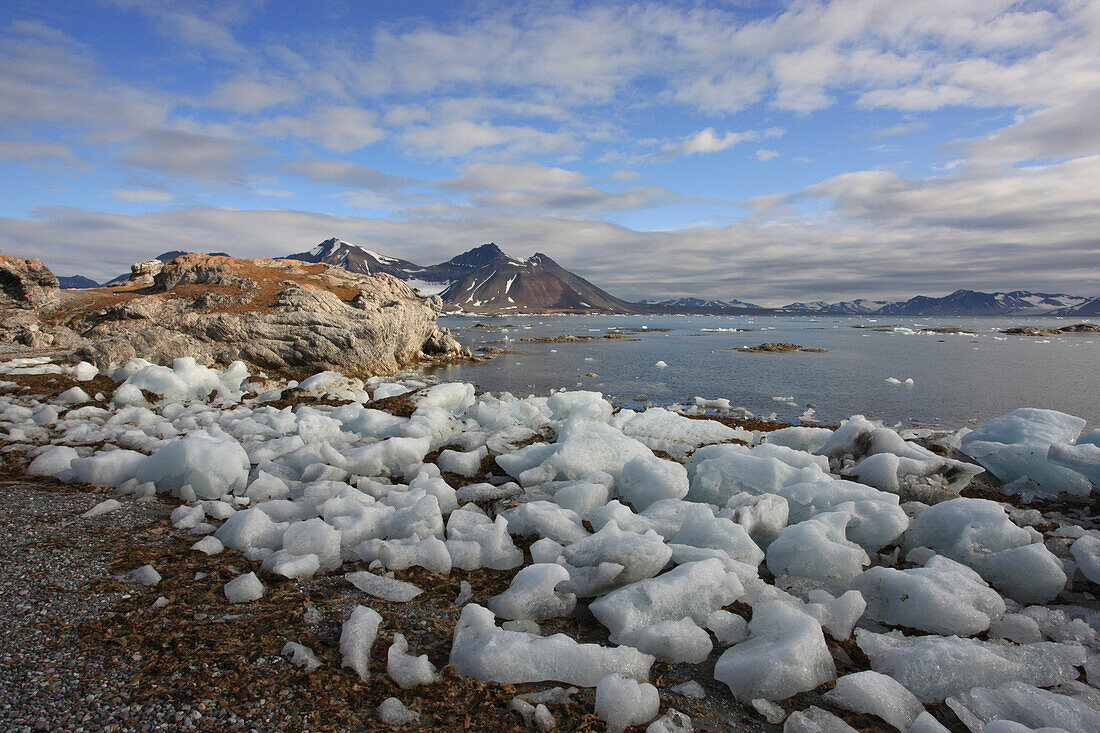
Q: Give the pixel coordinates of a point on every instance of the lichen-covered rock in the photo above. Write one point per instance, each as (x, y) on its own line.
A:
(281, 316)
(26, 283)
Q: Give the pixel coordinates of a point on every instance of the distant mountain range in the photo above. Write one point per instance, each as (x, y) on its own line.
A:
(963, 303)
(76, 282)
(486, 280)
(481, 280)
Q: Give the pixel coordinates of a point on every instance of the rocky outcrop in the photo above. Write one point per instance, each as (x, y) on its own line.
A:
(280, 316)
(143, 273)
(26, 283)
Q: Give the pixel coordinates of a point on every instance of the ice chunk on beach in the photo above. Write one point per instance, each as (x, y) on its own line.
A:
(483, 544)
(935, 667)
(105, 468)
(485, 652)
(634, 557)
(334, 385)
(466, 463)
(452, 396)
(212, 468)
(84, 371)
(718, 479)
(1083, 458)
(694, 590)
(1017, 444)
(104, 507)
(623, 702)
(728, 628)
(393, 712)
(647, 479)
(244, 588)
(290, 565)
(314, 536)
(877, 694)
(146, 575)
(208, 545)
(73, 395)
(979, 533)
(815, 720)
(379, 586)
(579, 405)
(1086, 552)
(406, 670)
(532, 594)
(186, 380)
(674, 642)
(583, 446)
(943, 597)
(356, 639)
(1026, 705)
(546, 519)
(301, 656)
(700, 528)
(251, 528)
(52, 461)
(662, 429)
(818, 549)
(784, 655)
(763, 516)
(875, 518)
(809, 440)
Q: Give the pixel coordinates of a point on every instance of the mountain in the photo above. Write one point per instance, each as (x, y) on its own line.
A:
(958, 303)
(77, 282)
(1088, 308)
(702, 304)
(857, 306)
(974, 303)
(163, 257)
(481, 280)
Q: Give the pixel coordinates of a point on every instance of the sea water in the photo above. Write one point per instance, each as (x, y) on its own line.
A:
(958, 379)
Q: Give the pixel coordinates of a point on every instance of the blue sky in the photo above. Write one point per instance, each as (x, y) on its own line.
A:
(762, 151)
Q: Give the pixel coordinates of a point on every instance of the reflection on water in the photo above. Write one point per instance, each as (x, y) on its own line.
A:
(958, 378)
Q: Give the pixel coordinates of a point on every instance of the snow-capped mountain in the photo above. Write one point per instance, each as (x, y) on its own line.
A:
(481, 280)
(958, 303)
(857, 306)
(702, 303)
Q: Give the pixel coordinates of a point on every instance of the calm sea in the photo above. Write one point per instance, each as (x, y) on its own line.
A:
(958, 379)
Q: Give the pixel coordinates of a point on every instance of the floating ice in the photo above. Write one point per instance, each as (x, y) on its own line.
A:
(356, 639)
(623, 702)
(943, 597)
(490, 654)
(877, 694)
(244, 588)
(406, 670)
(935, 667)
(784, 655)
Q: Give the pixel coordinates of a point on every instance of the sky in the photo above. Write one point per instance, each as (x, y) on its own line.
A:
(764, 151)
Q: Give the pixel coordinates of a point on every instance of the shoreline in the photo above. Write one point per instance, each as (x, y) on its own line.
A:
(197, 632)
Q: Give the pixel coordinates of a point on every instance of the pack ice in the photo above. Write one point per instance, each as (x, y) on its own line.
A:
(657, 525)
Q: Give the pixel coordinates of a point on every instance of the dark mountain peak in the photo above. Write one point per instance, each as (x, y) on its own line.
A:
(478, 256)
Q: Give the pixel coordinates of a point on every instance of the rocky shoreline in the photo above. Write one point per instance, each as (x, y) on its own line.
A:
(472, 499)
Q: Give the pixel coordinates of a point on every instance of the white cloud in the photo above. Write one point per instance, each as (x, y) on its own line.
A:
(339, 128)
(141, 195)
(764, 154)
